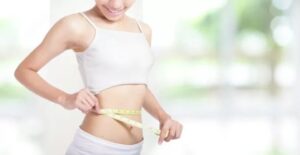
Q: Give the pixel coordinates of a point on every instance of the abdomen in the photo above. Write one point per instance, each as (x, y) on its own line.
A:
(124, 97)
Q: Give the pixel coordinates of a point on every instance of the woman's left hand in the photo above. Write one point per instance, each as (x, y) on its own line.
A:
(170, 129)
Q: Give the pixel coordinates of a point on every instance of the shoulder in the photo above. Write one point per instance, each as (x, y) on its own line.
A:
(72, 23)
(72, 28)
(146, 29)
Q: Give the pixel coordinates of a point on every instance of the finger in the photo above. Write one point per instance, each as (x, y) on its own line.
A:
(178, 131)
(163, 133)
(92, 96)
(96, 106)
(89, 101)
(81, 97)
(96, 109)
(94, 101)
(171, 134)
(82, 109)
(86, 104)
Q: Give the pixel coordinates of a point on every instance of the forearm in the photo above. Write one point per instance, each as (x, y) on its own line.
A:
(152, 106)
(34, 82)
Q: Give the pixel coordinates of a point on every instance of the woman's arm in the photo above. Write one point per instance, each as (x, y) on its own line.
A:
(170, 129)
(55, 42)
(152, 106)
(61, 36)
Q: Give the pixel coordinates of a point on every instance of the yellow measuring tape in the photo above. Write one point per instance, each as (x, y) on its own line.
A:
(117, 114)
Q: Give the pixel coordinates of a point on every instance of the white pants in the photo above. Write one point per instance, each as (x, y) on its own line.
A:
(85, 143)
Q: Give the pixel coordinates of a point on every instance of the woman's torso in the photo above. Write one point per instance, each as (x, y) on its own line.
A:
(127, 96)
(123, 96)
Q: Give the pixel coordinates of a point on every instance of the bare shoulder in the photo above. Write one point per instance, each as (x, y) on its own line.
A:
(147, 30)
(146, 27)
(74, 22)
(71, 28)
(67, 24)
(61, 36)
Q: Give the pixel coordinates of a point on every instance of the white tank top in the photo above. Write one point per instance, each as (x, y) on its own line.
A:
(114, 58)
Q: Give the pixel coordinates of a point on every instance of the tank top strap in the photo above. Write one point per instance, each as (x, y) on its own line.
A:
(88, 19)
(138, 23)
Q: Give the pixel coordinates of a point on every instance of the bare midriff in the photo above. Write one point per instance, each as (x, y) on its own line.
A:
(129, 96)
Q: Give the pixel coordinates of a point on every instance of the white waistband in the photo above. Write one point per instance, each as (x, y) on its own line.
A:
(102, 141)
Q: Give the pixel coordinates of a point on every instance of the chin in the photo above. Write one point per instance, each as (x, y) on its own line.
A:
(114, 18)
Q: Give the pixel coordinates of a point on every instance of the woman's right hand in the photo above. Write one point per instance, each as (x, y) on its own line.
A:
(83, 100)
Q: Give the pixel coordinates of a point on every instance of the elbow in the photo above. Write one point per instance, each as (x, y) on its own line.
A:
(22, 73)
(17, 73)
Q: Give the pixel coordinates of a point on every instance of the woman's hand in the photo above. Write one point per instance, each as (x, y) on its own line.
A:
(170, 129)
(84, 100)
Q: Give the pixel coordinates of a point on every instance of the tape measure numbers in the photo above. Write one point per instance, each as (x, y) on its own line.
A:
(117, 114)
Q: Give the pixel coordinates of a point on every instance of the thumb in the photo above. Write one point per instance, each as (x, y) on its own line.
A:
(96, 108)
(164, 132)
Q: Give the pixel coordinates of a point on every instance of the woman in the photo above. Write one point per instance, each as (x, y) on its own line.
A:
(114, 59)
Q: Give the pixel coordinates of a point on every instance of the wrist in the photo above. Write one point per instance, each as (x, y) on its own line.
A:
(62, 99)
(163, 117)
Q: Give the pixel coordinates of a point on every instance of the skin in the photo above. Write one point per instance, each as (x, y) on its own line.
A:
(75, 33)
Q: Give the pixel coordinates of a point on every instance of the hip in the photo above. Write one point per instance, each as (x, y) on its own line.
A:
(106, 127)
(88, 144)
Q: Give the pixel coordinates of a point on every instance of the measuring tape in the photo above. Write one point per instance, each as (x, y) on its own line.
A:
(117, 114)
